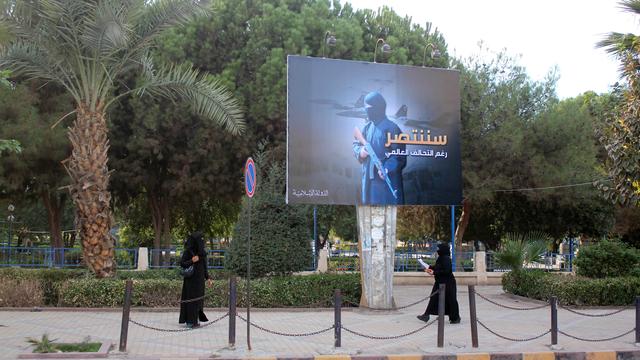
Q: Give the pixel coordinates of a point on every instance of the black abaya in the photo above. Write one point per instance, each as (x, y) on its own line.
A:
(193, 287)
(444, 275)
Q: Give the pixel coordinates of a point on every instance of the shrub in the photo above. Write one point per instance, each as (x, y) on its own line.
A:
(312, 290)
(20, 293)
(572, 290)
(280, 239)
(607, 258)
(519, 249)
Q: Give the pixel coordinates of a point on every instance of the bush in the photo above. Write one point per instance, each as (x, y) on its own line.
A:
(312, 290)
(20, 293)
(280, 238)
(607, 259)
(572, 290)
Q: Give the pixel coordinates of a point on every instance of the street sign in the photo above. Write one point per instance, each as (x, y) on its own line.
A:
(250, 177)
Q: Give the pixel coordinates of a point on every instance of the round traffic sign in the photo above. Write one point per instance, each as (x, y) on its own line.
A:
(250, 177)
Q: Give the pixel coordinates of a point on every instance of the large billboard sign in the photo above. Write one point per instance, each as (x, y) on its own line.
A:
(372, 134)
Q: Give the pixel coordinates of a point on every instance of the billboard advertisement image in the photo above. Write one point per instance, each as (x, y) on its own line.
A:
(372, 134)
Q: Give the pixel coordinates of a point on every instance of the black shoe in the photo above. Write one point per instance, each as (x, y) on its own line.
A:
(423, 317)
(457, 321)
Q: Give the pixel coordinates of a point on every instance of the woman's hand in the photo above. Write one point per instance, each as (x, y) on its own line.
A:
(195, 258)
(210, 283)
(429, 271)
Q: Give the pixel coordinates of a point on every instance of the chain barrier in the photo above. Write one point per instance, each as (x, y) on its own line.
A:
(388, 337)
(594, 315)
(274, 332)
(509, 338)
(397, 308)
(596, 340)
(511, 307)
(178, 330)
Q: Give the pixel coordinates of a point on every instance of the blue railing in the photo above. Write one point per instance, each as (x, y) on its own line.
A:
(548, 261)
(46, 257)
(170, 258)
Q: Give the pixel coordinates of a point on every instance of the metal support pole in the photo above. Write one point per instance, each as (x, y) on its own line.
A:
(570, 254)
(473, 316)
(441, 303)
(337, 318)
(453, 238)
(233, 298)
(249, 281)
(637, 319)
(554, 320)
(126, 309)
(315, 236)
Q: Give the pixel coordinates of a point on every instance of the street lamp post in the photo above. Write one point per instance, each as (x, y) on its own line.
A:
(386, 48)
(329, 40)
(10, 219)
(435, 53)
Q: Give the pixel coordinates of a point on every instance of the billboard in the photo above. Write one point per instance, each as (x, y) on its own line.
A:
(372, 134)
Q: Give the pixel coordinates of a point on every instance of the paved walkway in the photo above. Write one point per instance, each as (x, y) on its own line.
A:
(211, 341)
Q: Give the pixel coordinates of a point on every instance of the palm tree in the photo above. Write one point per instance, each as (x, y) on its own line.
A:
(622, 130)
(516, 250)
(85, 45)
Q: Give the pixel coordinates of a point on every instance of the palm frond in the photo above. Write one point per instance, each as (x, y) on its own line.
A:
(632, 6)
(519, 249)
(207, 97)
(160, 15)
(33, 62)
(107, 31)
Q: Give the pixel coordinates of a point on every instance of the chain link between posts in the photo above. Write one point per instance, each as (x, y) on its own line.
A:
(510, 338)
(594, 315)
(397, 308)
(511, 307)
(177, 330)
(388, 337)
(274, 332)
(597, 340)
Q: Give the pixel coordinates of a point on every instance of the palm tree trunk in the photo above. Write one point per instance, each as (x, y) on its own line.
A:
(463, 222)
(87, 167)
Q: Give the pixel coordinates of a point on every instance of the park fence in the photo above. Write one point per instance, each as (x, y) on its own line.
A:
(338, 325)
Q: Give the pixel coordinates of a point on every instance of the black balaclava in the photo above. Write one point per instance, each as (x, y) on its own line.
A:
(375, 106)
(443, 250)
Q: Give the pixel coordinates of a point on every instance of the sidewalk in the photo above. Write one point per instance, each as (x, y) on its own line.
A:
(212, 341)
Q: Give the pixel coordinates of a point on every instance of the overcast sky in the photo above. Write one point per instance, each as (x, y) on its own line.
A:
(545, 33)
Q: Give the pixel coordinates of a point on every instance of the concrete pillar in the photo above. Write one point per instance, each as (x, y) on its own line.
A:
(480, 267)
(377, 244)
(323, 261)
(143, 259)
(480, 261)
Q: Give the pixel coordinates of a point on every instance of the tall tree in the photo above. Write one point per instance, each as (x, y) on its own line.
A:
(84, 46)
(26, 114)
(621, 136)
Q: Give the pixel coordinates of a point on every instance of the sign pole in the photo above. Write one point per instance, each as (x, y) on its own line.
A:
(250, 189)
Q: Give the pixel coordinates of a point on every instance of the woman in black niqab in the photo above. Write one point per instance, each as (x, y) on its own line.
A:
(443, 273)
(191, 312)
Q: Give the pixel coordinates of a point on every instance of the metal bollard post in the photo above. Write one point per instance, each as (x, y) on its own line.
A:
(233, 297)
(126, 309)
(554, 320)
(441, 300)
(473, 316)
(637, 319)
(337, 318)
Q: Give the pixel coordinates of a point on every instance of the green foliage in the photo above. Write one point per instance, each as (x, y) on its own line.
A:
(516, 250)
(10, 146)
(280, 238)
(607, 258)
(44, 345)
(572, 290)
(312, 290)
(621, 131)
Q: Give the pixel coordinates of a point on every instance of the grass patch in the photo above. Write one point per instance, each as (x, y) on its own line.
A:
(47, 345)
(78, 347)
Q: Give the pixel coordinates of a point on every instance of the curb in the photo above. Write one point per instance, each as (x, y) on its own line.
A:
(547, 355)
